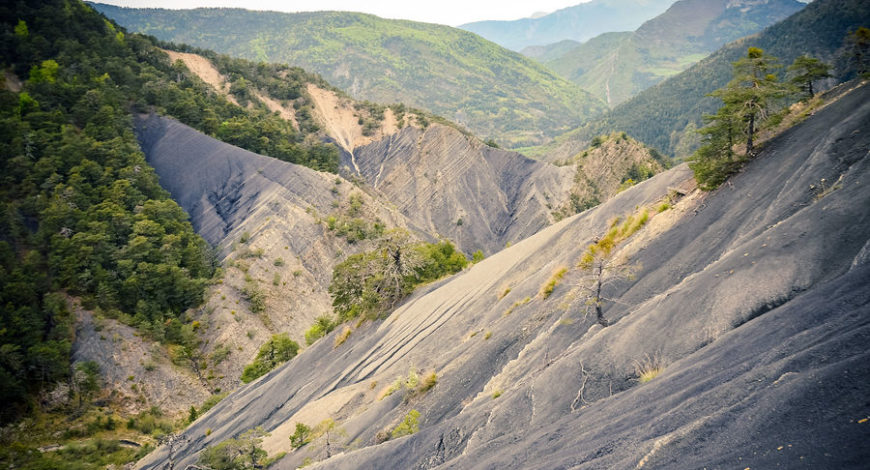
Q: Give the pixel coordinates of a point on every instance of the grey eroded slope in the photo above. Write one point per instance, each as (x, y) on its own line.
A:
(438, 176)
(278, 207)
(754, 296)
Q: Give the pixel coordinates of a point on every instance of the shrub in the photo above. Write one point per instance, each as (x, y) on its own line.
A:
(279, 349)
(408, 426)
(255, 297)
(322, 326)
(516, 304)
(301, 436)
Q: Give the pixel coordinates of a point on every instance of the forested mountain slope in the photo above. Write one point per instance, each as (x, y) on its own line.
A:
(494, 92)
(578, 23)
(666, 115)
(739, 340)
(617, 69)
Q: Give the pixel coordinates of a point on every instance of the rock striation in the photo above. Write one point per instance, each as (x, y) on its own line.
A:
(454, 186)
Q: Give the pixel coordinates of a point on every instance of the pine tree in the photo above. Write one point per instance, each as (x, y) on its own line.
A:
(746, 101)
(806, 70)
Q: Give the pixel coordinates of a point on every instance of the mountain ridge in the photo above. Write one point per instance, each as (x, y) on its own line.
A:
(494, 92)
(579, 23)
(664, 46)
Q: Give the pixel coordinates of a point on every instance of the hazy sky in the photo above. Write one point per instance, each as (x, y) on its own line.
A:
(449, 12)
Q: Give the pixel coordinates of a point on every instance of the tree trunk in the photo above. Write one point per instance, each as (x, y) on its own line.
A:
(751, 133)
(598, 313)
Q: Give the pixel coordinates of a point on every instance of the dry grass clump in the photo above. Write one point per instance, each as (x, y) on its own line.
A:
(649, 367)
(547, 288)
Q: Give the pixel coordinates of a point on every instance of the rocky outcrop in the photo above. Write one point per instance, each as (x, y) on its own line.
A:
(452, 185)
(752, 300)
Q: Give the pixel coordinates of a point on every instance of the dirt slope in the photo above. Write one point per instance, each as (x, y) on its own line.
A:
(266, 218)
(438, 177)
(754, 297)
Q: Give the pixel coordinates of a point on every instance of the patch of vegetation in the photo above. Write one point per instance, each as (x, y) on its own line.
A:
(301, 436)
(415, 63)
(241, 453)
(255, 296)
(409, 425)
(342, 337)
(370, 284)
(350, 223)
(322, 326)
(649, 368)
(516, 304)
(547, 288)
(279, 349)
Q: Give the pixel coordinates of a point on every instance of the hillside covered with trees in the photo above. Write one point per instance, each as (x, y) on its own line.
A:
(666, 116)
(494, 92)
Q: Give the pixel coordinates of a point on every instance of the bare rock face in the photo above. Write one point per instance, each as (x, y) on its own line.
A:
(751, 304)
(456, 187)
(139, 372)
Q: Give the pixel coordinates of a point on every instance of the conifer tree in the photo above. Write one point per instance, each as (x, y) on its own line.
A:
(805, 70)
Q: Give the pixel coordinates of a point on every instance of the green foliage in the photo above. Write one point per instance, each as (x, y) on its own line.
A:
(805, 70)
(301, 436)
(747, 100)
(660, 116)
(241, 453)
(477, 256)
(86, 380)
(255, 296)
(279, 349)
(82, 210)
(501, 94)
(408, 426)
(321, 327)
(858, 52)
(369, 284)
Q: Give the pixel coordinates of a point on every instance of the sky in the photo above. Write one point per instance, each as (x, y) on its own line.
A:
(449, 12)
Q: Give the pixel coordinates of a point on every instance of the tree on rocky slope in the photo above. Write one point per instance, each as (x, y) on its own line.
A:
(805, 70)
(369, 284)
(603, 268)
(241, 453)
(747, 100)
(858, 51)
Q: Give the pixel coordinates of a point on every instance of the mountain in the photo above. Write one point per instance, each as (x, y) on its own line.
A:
(579, 23)
(494, 92)
(666, 115)
(615, 67)
(739, 340)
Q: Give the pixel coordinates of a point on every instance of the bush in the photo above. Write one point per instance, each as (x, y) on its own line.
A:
(408, 426)
(323, 325)
(279, 349)
(301, 436)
